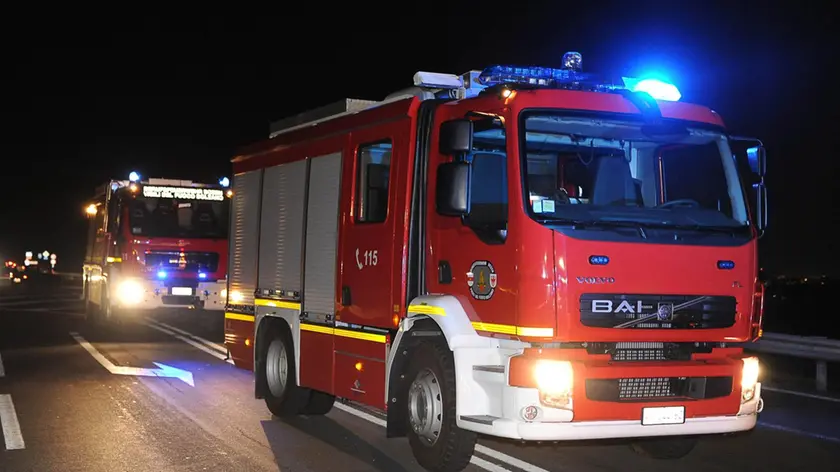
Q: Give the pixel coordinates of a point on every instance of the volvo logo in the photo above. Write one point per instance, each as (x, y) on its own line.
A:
(596, 280)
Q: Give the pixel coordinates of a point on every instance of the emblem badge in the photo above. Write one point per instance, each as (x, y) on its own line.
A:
(482, 280)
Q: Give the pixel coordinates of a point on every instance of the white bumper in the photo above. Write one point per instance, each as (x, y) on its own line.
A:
(486, 404)
(142, 294)
(561, 428)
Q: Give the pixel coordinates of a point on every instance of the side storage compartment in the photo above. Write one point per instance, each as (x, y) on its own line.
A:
(242, 268)
(319, 273)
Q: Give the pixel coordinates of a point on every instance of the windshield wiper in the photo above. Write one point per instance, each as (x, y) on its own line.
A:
(583, 224)
(641, 225)
(703, 228)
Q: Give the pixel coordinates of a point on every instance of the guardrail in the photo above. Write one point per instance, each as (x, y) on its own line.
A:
(817, 348)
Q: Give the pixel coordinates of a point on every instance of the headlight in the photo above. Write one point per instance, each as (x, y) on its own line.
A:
(555, 380)
(749, 378)
(130, 292)
(223, 293)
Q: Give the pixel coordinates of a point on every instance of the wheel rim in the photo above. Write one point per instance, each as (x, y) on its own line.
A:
(425, 407)
(277, 368)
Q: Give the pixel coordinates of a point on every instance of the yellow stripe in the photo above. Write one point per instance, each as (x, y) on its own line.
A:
(239, 316)
(513, 330)
(316, 328)
(277, 304)
(426, 310)
(345, 333)
(373, 337)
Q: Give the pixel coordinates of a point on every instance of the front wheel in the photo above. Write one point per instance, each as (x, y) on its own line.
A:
(437, 442)
(283, 397)
(665, 448)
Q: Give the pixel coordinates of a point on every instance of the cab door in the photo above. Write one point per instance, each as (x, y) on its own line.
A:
(370, 262)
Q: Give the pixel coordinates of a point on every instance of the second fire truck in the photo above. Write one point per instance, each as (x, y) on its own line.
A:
(154, 244)
(525, 253)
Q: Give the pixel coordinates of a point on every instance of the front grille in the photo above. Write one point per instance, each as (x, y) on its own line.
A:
(192, 261)
(657, 388)
(629, 311)
(648, 351)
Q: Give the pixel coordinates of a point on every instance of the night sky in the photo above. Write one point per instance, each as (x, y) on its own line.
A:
(85, 100)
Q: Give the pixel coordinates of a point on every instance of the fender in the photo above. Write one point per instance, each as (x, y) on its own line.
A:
(448, 318)
(268, 312)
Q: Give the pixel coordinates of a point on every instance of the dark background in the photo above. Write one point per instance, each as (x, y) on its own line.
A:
(94, 97)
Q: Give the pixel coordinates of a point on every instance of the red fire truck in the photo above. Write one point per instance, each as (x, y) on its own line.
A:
(527, 253)
(156, 244)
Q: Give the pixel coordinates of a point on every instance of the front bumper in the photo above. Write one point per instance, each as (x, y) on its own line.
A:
(143, 294)
(488, 404)
(560, 427)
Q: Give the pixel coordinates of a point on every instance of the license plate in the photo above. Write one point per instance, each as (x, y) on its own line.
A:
(663, 415)
(181, 291)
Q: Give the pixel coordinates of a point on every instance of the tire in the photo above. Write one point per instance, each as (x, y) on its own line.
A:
(283, 396)
(436, 441)
(665, 448)
(319, 403)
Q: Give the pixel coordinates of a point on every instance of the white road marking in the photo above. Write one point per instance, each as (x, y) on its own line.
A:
(219, 347)
(486, 465)
(163, 370)
(801, 394)
(2, 370)
(510, 460)
(192, 343)
(10, 424)
(799, 432)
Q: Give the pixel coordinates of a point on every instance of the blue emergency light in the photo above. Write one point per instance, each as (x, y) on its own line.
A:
(656, 88)
(224, 182)
(572, 77)
(161, 274)
(133, 176)
(202, 275)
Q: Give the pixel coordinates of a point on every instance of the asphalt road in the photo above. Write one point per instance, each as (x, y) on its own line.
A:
(79, 398)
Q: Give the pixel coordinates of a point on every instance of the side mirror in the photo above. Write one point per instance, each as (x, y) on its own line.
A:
(757, 157)
(456, 137)
(452, 191)
(761, 212)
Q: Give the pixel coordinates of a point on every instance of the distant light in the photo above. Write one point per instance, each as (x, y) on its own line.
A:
(161, 274)
(656, 88)
(202, 275)
(133, 176)
(224, 182)
(230, 193)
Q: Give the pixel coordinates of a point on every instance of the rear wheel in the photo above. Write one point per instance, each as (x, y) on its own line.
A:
(283, 396)
(665, 448)
(319, 403)
(436, 441)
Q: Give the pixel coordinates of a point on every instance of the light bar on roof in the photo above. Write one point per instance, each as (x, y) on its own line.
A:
(184, 193)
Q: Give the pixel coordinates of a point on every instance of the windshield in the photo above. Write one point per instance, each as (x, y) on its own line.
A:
(611, 171)
(182, 216)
